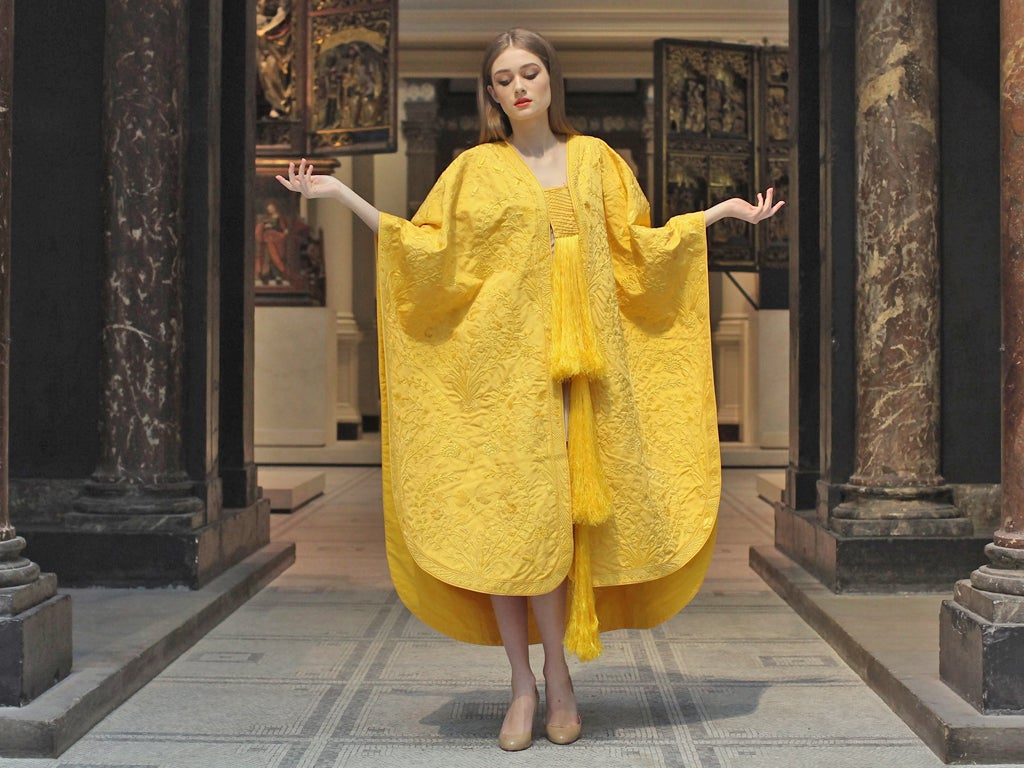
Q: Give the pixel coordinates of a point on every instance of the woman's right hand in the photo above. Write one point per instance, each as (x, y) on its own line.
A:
(303, 181)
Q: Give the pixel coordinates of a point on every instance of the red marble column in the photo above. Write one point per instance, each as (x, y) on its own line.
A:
(1006, 552)
(140, 482)
(981, 630)
(896, 477)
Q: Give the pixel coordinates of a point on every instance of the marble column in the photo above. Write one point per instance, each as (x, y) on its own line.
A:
(981, 633)
(35, 623)
(896, 488)
(1008, 541)
(6, 104)
(15, 571)
(140, 483)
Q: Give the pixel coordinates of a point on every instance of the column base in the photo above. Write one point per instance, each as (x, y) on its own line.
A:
(116, 557)
(869, 511)
(981, 644)
(108, 505)
(878, 564)
(35, 640)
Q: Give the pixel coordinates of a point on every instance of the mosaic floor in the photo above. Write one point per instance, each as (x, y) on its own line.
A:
(325, 668)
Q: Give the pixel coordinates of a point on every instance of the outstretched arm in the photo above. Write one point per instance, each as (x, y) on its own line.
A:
(303, 181)
(738, 208)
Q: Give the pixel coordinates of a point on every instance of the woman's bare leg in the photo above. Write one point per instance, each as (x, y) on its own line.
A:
(510, 613)
(549, 611)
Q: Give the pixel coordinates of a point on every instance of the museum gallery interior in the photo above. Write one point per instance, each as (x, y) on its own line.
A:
(174, 321)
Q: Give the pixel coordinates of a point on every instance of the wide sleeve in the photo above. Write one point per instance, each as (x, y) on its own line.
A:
(652, 265)
(419, 272)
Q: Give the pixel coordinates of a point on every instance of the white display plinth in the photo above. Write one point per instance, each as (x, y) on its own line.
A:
(295, 377)
(289, 488)
(773, 378)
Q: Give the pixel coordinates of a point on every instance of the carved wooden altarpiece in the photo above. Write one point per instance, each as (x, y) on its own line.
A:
(326, 77)
(722, 130)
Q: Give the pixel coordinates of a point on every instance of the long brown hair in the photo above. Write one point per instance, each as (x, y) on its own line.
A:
(494, 124)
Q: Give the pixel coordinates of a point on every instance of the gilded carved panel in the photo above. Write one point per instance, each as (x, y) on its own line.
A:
(279, 76)
(327, 72)
(721, 130)
(352, 76)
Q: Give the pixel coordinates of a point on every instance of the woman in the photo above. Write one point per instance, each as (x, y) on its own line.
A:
(548, 409)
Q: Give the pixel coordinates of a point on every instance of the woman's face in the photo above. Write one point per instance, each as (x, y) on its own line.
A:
(521, 85)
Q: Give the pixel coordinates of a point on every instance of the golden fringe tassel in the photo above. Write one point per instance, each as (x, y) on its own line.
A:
(581, 632)
(574, 347)
(591, 505)
(591, 498)
(576, 356)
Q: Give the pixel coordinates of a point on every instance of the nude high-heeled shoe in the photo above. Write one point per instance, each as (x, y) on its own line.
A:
(565, 734)
(516, 742)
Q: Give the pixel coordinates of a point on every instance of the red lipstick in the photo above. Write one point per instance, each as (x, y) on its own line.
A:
(523, 102)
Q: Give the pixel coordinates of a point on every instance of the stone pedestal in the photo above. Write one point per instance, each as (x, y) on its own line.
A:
(981, 642)
(35, 628)
(885, 564)
(138, 558)
(35, 641)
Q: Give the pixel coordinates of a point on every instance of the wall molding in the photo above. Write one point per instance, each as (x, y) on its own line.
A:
(446, 38)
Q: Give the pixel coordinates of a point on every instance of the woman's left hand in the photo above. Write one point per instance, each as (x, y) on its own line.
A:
(764, 209)
(738, 208)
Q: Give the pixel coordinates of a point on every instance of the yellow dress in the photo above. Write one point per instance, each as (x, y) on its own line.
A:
(476, 476)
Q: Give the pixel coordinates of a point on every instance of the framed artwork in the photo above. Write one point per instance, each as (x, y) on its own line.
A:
(281, 75)
(352, 81)
(327, 77)
(721, 130)
(288, 254)
(774, 240)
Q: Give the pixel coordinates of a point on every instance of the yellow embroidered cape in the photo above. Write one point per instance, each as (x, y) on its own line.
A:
(476, 486)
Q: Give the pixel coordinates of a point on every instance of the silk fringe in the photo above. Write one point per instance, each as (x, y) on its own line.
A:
(576, 357)
(574, 347)
(582, 634)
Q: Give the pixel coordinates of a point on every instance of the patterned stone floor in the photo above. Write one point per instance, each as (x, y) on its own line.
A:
(325, 668)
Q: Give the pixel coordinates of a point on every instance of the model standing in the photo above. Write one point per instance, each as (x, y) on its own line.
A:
(549, 431)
